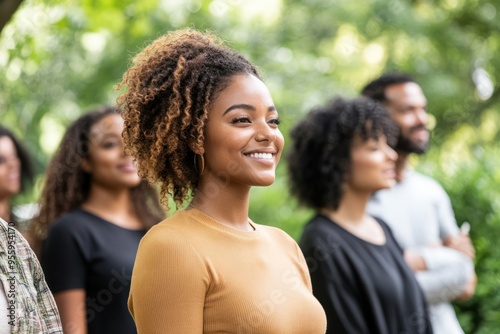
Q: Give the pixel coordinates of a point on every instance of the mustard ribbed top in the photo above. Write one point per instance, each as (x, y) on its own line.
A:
(195, 275)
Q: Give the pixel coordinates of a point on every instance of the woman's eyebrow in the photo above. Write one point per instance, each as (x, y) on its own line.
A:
(246, 107)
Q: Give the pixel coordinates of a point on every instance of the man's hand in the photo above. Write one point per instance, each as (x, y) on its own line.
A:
(461, 243)
(469, 289)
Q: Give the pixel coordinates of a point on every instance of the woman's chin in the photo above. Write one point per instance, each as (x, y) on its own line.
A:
(264, 182)
(389, 184)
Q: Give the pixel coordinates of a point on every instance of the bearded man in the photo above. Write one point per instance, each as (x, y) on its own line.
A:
(419, 211)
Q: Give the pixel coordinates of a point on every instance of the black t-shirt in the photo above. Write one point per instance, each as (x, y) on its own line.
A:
(363, 287)
(84, 251)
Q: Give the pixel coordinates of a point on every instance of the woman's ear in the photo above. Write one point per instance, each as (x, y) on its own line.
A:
(86, 166)
(196, 148)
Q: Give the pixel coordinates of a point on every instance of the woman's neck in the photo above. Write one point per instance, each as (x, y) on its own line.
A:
(112, 205)
(351, 209)
(223, 202)
(352, 217)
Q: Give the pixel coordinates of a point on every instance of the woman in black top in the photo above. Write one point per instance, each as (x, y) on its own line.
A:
(94, 210)
(339, 157)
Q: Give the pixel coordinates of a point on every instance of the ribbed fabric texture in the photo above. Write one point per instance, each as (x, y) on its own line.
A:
(195, 275)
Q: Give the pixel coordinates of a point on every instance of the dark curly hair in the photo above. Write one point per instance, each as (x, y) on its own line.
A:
(67, 186)
(27, 169)
(319, 156)
(375, 89)
(169, 91)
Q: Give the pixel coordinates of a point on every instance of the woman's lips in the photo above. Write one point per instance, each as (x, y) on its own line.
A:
(129, 167)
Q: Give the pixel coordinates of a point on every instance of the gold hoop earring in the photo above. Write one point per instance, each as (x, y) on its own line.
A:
(199, 163)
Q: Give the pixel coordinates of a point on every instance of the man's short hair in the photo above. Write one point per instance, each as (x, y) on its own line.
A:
(375, 90)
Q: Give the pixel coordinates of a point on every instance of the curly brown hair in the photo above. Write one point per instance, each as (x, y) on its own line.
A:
(169, 91)
(320, 151)
(67, 185)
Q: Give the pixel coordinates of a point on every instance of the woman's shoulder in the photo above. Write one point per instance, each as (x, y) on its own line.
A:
(175, 236)
(75, 222)
(178, 225)
(322, 235)
(72, 218)
(320, 226)
(276, 233)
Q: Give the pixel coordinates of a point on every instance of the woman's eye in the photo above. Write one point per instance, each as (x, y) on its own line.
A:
(5, 159)
(109, 144)
(275, 121)
(374, 145)
(241, 120)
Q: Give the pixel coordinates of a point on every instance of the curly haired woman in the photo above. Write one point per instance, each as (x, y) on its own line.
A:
(94, 211)
(339, 157)
(202, 124)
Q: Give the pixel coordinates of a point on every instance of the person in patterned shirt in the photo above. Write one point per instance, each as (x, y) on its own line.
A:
(26, 303)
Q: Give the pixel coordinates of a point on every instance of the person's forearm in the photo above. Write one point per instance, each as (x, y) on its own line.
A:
(415, 261)
(71, 305)
(461, 243)
(470, 288)
(448, 272)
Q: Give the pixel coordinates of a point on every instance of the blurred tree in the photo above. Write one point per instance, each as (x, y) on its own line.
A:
(64, 57)
(473, 189)
(7, 9)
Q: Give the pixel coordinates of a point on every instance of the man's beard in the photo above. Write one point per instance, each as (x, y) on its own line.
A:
(405, 144)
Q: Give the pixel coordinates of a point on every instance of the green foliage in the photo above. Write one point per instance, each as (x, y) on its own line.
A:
(61, 58)
(473, 189)
(274, 206)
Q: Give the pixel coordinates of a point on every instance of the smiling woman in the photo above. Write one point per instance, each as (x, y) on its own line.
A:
(94, 211)
(200, 121)
(244, 113)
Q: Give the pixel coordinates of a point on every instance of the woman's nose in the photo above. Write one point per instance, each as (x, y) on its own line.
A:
(265, 132)
(12, 161)
(391, 153)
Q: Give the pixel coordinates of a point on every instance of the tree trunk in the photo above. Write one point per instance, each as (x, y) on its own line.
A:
(7, 9)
